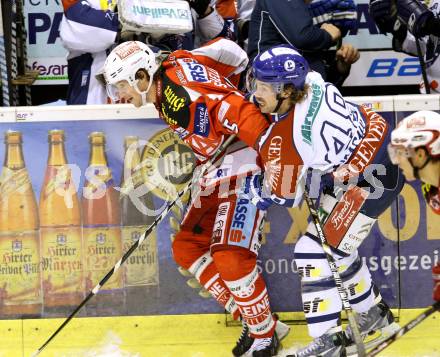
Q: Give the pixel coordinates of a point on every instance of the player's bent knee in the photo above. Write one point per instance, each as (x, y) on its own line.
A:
(233, 264)
(185, 251)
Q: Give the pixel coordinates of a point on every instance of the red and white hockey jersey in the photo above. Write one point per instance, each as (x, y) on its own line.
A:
(197, 99)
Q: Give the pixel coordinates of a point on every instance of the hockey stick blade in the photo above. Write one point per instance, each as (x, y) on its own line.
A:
(404, 329)
(136, 244)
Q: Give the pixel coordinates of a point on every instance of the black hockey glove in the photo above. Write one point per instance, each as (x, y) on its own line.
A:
(384, 14)
(414, 14)
(199, 6)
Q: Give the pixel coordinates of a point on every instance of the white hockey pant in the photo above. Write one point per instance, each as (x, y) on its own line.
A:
(321, 301)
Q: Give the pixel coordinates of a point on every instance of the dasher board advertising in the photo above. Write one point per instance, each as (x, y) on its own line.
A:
(76, 194)
(45, 50)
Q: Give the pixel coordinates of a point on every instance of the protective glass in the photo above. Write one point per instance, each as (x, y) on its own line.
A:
(118, 91)
(396, 153)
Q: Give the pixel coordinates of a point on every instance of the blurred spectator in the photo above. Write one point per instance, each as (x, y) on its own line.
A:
(88, 29)
(226, 8)
(342, 14)
(312, 28)
(216, 20)
(245, 8)
(410, 22)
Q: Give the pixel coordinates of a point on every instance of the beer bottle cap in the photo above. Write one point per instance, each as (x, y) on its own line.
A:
(56, 135)
(13, 137)
(97, 137)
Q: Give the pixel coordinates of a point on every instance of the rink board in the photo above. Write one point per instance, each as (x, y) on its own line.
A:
(175, 336)
(400, 251)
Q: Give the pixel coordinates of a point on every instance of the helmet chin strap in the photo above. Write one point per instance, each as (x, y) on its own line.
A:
(416, 170)
(280, 101)
(144, 93)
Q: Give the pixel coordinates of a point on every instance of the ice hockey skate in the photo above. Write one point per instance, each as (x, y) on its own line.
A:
(331, 344)
(245, 341)
(377, 321)
(264, 347)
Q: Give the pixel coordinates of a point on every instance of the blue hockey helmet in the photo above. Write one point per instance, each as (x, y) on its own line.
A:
(282, 64)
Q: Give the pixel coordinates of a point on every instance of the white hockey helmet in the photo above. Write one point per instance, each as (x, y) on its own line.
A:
(123, 63)
(420, 129)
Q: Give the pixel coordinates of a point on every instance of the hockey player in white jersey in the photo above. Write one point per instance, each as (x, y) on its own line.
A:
(415, 147)
(315, 129)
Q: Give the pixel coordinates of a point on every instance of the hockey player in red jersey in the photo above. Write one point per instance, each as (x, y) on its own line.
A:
(319, 138)
(436, 277)
(219, 238)
(415, 147)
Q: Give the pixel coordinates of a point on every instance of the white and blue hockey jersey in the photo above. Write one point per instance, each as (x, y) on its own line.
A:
(323, 132)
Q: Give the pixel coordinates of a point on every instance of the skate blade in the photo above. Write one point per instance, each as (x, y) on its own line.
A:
(282, 330)
(372, 341)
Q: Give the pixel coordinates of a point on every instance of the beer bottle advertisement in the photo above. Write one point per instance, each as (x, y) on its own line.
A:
(60, 227)
(141, 269)
(101, 227)
(20, 280)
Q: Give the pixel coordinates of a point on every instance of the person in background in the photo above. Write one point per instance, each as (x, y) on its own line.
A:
(342, 14)
(413, 24)
(88, 31)
(415, 147)
(312, 28)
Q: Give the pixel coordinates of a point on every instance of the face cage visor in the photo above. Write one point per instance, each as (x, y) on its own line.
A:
(117, 91)
(251, 83)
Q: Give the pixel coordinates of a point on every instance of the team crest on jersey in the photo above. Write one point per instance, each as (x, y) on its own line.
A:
(175, 104)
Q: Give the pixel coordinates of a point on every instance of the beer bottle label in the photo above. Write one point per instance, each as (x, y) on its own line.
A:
(14, 181)
(103, 248)
(19, 268)
(61, 252)
(141, 268)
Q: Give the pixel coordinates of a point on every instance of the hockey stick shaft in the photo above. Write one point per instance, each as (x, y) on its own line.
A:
(404, 329)
(22, 36)
(3, 63)
(423, 67)
(336, 276)
(127, 254)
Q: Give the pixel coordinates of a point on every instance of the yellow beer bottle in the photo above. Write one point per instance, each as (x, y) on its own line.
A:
(141, 270)
(60, 227)
(20, 280)
(102, 232)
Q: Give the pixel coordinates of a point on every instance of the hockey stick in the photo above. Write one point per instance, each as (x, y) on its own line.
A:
(404, 329)
(127, 254)
(3, 64)
(14, 58)
(337, 278)
(423, 67)
(22, 36)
